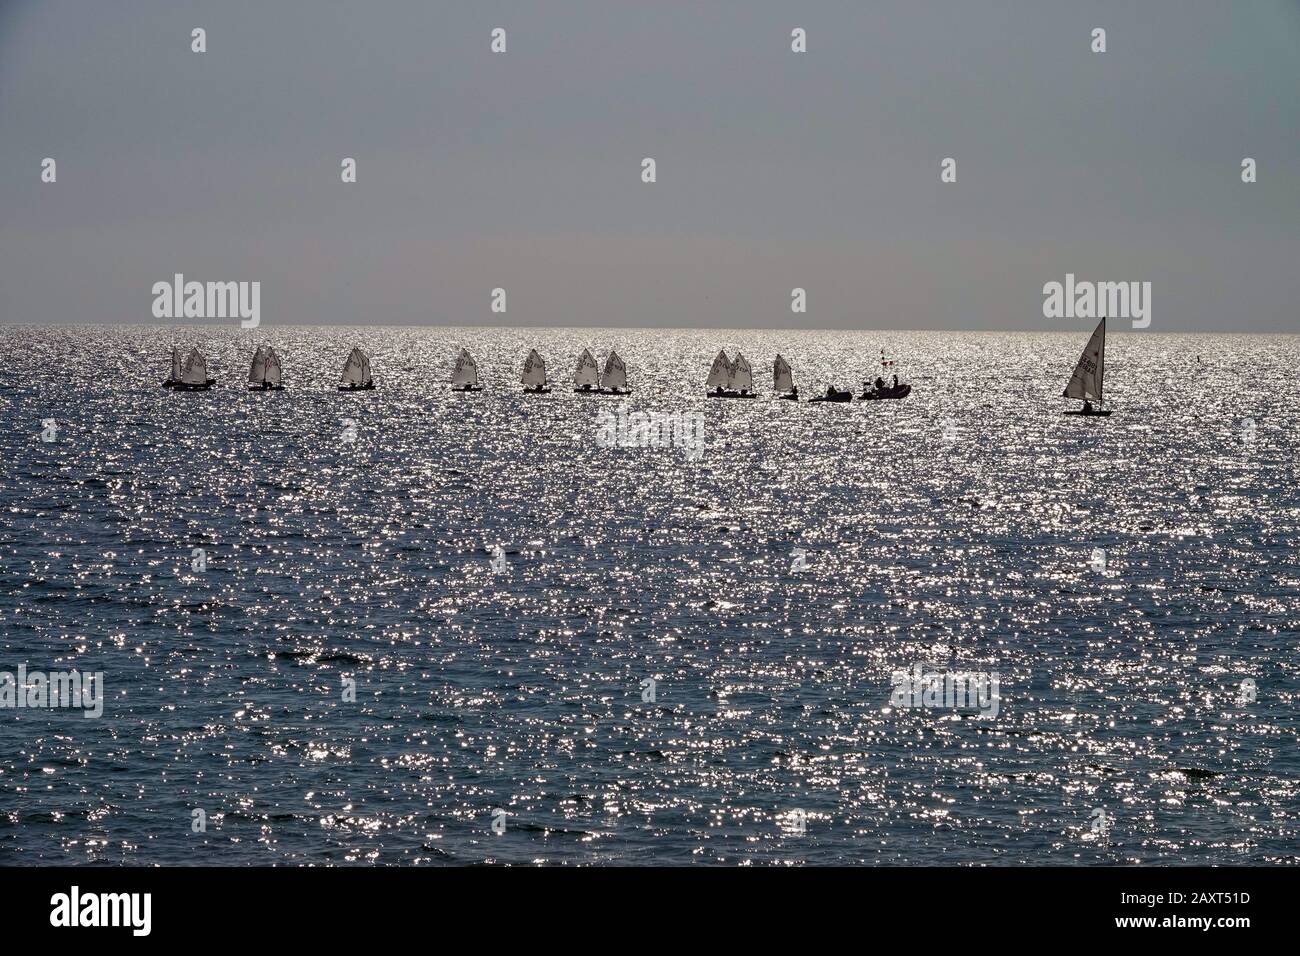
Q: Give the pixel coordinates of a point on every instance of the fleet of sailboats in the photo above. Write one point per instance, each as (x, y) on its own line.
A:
(356, 373)
(727, 378)
(534, 377)
(1085, 382)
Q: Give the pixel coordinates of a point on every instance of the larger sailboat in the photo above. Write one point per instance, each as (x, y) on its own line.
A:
(1085, 383)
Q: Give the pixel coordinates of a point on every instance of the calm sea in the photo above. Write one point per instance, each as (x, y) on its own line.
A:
(671, 659)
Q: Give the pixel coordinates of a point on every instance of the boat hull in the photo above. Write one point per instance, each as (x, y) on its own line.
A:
(1102, 413)
(467, 388)
(266, 388)
(724, 393)
(837, 397)
(183, 387)
(902, 391)
(789, 396)
(368, 387)
(538, 390)
(616, 391)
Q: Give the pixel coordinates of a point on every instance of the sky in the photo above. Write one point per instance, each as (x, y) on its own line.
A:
(775, 170)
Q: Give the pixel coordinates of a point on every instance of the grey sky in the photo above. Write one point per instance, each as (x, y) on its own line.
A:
(775, 169)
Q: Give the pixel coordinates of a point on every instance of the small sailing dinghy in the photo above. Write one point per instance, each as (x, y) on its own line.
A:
(586, 378)
(880, 389)
(194, 374)
(783, 380)
(356, 373)
(534, 377)
(464, 378)
(1085, 383)
(175, 375)
(614, 381)
(719, 375)
(265, 374)
(730, 378)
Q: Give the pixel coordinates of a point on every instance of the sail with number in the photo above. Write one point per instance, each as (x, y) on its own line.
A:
(257, 373)
(615, 377)
(271, 371)
(587, 374)
(195, 370)
(176, 365)
(466, 371)
(356, 371)
(534, 370)
(1085, 383)
(782, 380)
(742, 377)
(720, 374)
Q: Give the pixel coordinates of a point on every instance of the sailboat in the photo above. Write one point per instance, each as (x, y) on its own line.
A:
(614, 381)
(783, 380)
(464, 378)
(719, 375)
(356, 373)
(534, 377)
(194, 374)
(1085, 383)
(730, 378)
(586, 379)
(265, 373)
(881, 389)
(174, 378)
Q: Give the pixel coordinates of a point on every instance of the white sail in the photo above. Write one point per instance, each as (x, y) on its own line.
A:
(615, 378)
(782, 380)
(357, 369)
(587, 374)
(534, 370)
(466, 372)
(176, 364)
(1085, 383)
(271, 373)
(742, 377)
(257, 373)
(720, 373)
(195, 370)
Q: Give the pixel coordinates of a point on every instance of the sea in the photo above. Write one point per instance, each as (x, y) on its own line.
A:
(415, 627)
